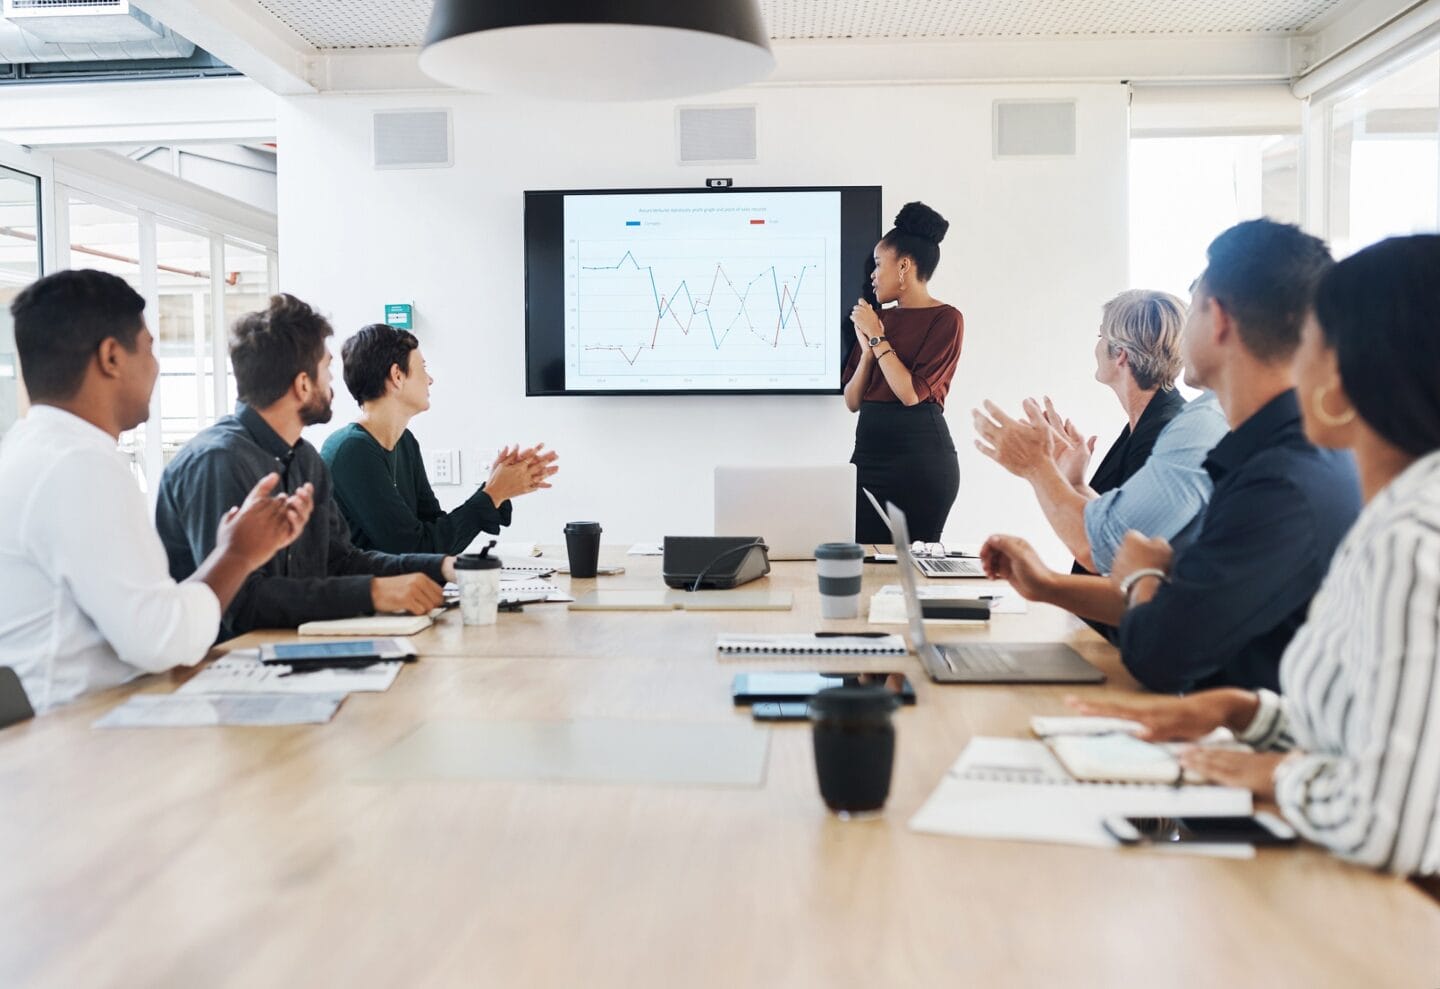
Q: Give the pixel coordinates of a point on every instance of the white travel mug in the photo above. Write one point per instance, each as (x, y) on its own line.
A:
(479, 580)
(841, 568)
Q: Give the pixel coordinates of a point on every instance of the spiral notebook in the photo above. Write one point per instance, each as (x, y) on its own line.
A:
(1015, 789)
(811, 645)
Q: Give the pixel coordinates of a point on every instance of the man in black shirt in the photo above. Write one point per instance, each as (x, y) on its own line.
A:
(1222, 610)
(282, 371)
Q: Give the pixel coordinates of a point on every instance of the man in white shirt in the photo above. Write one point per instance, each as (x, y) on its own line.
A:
(88, 600)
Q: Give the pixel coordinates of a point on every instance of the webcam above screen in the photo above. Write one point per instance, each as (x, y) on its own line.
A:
(684, 291)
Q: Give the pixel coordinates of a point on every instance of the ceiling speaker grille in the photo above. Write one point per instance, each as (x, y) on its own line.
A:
(710, 134)
(1034, 128)
(412, 139)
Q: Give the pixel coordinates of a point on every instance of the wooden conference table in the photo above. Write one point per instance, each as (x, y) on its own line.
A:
(249, 857)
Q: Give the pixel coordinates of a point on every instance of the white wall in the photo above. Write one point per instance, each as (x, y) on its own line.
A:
(1034, 248)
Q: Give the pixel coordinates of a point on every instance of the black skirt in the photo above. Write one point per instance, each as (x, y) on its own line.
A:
(904, 454)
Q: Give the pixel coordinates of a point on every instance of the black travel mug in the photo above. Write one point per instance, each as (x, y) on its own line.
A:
(582, 542)
(854, 747)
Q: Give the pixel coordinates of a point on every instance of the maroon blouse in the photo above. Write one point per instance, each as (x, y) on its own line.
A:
(927, 341)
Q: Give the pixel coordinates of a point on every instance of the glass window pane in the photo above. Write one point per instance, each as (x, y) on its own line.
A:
(185, 338)
(247, 288)
(19, 266)
(1383, 158)
(108, 239)
(1186, 190)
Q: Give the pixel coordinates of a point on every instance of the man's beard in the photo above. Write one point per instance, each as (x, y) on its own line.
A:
(318, 410)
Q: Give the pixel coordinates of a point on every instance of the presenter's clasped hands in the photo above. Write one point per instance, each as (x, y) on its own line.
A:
(867, 325)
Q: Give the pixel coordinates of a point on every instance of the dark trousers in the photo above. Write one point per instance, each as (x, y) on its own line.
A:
(904, 454)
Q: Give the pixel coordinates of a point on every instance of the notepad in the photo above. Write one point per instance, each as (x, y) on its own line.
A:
(1054, 725)
(378, 625)
(1114, 759)
(810, 645)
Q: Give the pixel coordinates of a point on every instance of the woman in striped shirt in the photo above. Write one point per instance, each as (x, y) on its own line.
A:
(1351, 752)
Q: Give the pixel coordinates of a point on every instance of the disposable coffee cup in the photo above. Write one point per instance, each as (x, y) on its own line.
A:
(582, 543)
(479, 578)
(854, 748)
(841, 568)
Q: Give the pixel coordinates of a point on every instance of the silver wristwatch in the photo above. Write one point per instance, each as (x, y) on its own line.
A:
(1127, 586)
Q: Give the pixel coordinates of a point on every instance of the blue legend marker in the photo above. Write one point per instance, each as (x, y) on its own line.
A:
(632, 223)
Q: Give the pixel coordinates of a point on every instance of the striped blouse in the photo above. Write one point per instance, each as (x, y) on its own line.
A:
(1361, 683)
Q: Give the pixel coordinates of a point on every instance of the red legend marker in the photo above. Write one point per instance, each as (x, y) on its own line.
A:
(756, 223)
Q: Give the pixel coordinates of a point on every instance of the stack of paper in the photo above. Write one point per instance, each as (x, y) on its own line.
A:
(197, 711)
(1013, 789)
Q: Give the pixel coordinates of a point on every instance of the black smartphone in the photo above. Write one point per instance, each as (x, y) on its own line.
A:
(1261, 829)
(798, 688)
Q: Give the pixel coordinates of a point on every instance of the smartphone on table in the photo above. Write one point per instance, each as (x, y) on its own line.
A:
(1259, 829)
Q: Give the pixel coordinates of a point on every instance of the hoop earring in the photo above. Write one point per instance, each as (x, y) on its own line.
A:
(1324, 415)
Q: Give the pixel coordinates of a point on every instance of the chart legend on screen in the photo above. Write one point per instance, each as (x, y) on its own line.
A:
(701, 291)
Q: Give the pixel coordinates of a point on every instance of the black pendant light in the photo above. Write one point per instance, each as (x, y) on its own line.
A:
(596, 49)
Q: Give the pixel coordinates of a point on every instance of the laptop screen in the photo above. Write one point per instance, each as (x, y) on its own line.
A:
(900, 532)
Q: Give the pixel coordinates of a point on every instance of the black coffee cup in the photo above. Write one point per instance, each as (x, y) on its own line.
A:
(854, 747)
(582, 543)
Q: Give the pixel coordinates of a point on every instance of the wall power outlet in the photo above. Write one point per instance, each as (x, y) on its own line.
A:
(443, 466)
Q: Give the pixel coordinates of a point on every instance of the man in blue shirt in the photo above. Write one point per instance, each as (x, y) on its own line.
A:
(1222, 611)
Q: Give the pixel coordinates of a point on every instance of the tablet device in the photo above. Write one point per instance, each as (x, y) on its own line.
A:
(795, 687)
(342, 653)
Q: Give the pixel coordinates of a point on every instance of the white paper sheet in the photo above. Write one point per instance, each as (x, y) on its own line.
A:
(247, 675)
(1003, 599)
(201, 710)
(530, 590)
(646, 549)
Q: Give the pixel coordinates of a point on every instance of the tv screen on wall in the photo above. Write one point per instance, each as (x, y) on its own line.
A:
(685, 291)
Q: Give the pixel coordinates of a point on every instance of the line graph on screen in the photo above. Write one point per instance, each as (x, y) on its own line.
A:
(700, 307)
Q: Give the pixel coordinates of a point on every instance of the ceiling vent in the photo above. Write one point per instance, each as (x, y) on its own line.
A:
(710, 135)
(412, 139)
(83, 31)
(1034, 128)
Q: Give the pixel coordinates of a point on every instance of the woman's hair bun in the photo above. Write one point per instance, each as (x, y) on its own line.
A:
(921, 221)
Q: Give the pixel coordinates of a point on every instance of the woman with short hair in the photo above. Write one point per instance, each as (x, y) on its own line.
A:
(1351, 752)
(380, 481)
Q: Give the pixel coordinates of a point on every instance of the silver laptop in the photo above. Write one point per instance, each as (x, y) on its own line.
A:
(794, 508)
(934, 566)
(981, 662)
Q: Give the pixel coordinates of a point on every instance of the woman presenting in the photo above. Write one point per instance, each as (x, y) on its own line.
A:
(897, 377)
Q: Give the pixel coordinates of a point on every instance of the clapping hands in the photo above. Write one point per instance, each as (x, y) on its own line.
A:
(1026, 446)
(517, 472)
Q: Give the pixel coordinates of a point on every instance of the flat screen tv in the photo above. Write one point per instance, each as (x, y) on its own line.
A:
(686, 291)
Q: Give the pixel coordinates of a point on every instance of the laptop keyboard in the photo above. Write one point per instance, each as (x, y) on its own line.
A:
(967, 568)
(979, 658)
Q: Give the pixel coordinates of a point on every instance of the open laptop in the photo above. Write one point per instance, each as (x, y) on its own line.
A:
(981, 662)
(794, 508)
(934, 566)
